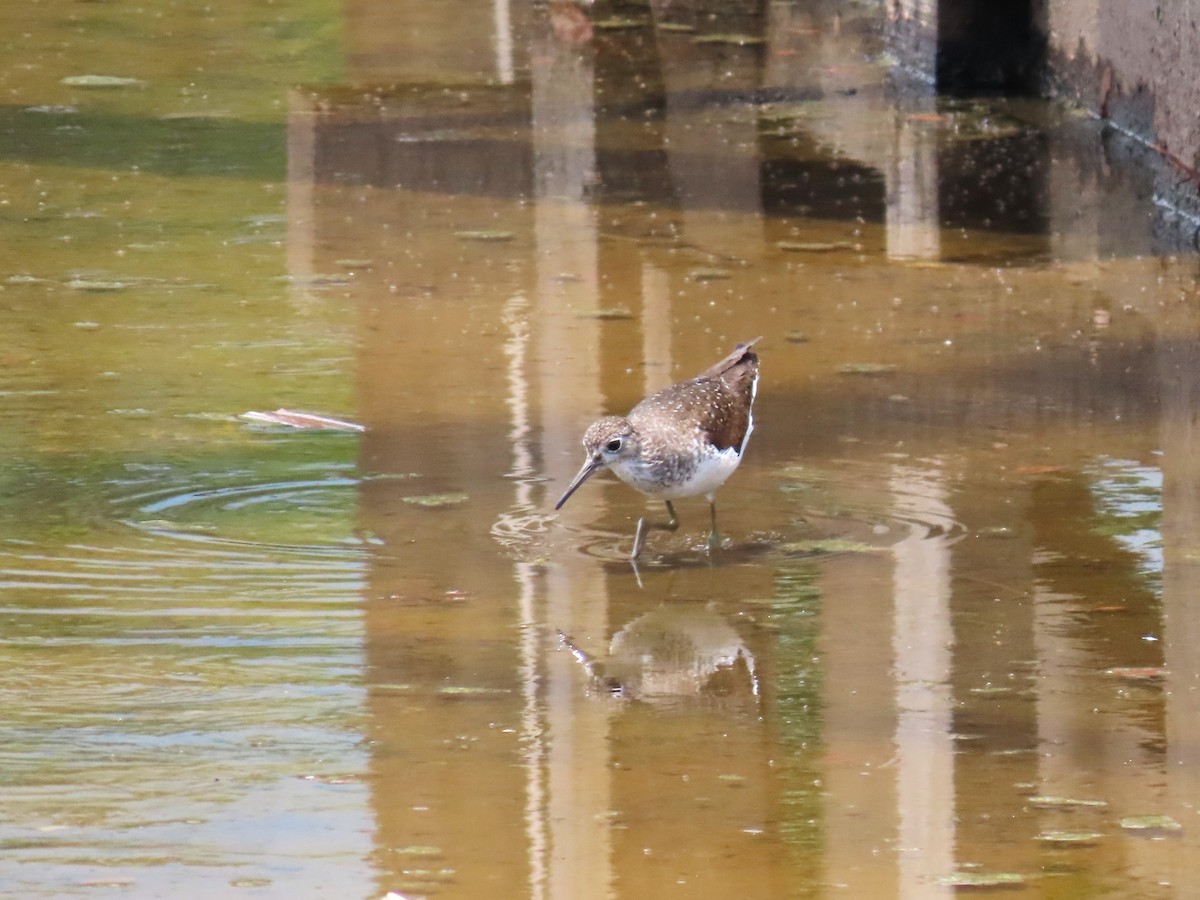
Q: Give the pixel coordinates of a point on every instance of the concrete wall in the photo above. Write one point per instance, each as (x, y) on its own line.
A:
(1133, 64)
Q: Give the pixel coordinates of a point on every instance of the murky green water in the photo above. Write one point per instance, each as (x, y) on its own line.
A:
(949, 634)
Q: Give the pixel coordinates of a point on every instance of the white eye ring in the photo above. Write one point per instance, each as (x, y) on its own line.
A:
(614, 446)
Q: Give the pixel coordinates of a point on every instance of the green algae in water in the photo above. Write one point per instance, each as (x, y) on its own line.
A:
(484, 236)
(608, 314)
(813, 246)
(1051, 802)
(737, 40)
(828, 545)
(619, 24)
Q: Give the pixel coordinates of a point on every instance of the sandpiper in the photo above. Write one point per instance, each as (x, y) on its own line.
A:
(683, 441)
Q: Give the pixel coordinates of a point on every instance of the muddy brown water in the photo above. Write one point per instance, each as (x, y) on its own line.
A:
(948, 638)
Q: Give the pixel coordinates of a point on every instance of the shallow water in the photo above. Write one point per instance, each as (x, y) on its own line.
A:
(947, 635)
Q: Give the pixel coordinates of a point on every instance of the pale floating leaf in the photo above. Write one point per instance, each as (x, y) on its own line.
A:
(308, 421)
(871, 370)
(813, 246)
(116, 881)
(982, 880)
(676, 27)
(100, 81)
(436, 501)
(1150, 823)
(1146, 673)
(708, 274)
(485, 236)
(466, 690)
(319, 279)
(619, 24)
(354, 263)
(332, 779)
(608, 314)
(739, 40)
(96, 287)
(1046, 801)
(828, 545)
(425, 850)
(1070, 837)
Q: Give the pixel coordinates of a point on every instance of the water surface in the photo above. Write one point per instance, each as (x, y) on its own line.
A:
(947, 635)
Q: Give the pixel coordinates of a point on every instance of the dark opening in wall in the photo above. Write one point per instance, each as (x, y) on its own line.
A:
(968, 47)
(986, 46)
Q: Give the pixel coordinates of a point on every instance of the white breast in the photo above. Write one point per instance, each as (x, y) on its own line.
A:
(711, 472)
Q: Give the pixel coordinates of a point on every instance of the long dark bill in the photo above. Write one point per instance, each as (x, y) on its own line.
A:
(589, 468)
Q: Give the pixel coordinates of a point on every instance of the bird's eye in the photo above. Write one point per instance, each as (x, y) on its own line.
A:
(613, 446)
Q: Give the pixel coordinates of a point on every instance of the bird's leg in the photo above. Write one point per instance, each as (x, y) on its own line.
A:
(644, 526)
(639, 539)
(674, 522)
(714, 539)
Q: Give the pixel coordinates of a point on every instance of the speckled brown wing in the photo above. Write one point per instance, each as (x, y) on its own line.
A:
(718, 402)
(743, 352)
(730, 411)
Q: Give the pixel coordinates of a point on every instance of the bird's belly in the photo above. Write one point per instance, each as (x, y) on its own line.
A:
(708, 474)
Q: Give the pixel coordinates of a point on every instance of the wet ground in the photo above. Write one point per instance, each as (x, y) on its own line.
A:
(947, 641)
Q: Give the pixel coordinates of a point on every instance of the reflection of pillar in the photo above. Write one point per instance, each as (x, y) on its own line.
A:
(921, 641)
(502, 15)
(1179, 360)
(1081, 754)
(301, 184)
(991, 599)
(712, 148)
(451, 41)
(1095, 210)
(912, 35)
(913, 228)
(567, 769)
(858, 726)
(1087, 749)
(656, 328)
